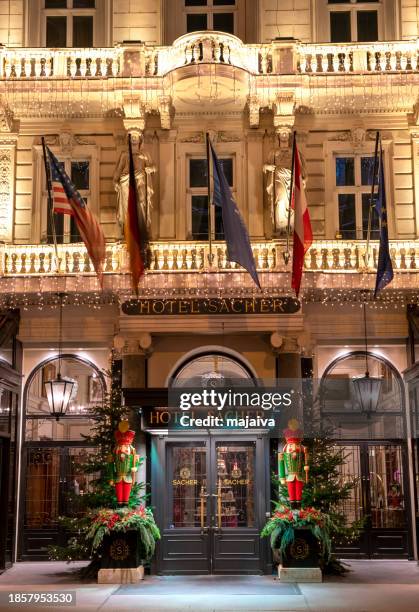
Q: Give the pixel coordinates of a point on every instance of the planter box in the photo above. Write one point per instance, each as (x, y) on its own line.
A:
(303, 552)
(122, 550)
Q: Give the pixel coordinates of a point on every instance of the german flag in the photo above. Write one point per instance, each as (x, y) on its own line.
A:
(136, 234)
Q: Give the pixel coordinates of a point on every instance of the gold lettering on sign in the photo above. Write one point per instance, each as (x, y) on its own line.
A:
(212, 306)
(195, 307)
(183, 307)
(236, 481)
(183, 482)
(144, 307)
(158, 306)
(249, 305)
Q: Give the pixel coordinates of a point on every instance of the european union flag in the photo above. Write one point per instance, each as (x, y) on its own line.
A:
(235, 231)
(385, 267)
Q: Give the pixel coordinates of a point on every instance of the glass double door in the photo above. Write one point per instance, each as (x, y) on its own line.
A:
(379, 498)
(213, 503)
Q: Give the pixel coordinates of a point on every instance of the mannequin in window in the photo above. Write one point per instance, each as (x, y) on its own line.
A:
(278, 183)
(144, 170)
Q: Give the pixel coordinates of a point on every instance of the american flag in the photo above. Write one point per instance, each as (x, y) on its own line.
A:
(87, 224)
(61, 203)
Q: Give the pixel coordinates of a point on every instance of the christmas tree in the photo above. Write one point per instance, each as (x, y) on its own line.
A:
(101, 494)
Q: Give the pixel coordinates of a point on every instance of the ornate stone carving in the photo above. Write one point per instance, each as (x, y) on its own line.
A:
(228, 137)
(6, 193)
(165, 108)
(6, 117)
(144, 170)
(196, 137)
(254, 110)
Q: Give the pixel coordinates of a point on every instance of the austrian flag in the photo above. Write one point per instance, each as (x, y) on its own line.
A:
(303, 235)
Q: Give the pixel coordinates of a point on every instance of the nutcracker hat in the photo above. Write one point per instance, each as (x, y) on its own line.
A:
(293, 432)
(124, 435)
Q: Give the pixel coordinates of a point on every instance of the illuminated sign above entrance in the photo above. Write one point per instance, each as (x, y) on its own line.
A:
(212, 306)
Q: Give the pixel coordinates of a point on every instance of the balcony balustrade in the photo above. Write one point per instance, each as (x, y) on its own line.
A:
(276, 57)
(324, 256)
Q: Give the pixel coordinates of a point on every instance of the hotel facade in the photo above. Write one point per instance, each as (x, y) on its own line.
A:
(86, 73)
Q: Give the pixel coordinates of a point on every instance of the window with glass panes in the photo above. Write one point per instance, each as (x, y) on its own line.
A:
(65, 225)
(198, 196)
(356, 20)
(354, 176)
(217, 15)
(69, 23)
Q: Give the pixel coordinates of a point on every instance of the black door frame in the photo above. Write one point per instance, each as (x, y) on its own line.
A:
(158, 478)
(365, 547)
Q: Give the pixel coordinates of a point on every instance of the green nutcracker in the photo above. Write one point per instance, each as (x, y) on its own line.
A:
(123, 463)
(293, 465)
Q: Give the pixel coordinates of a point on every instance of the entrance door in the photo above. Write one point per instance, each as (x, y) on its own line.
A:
(379, 497)
(214, 496)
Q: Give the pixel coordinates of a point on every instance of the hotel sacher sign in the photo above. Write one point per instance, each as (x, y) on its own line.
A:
(212, 306)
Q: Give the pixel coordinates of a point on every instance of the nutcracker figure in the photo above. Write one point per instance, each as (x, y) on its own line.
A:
(293, 463)
(123, 463)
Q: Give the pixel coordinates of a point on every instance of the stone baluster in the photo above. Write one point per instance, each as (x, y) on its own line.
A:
(37, 66)
(115, 65)
(207, 51)
(8, 66)
(73, 66)
(83, 66)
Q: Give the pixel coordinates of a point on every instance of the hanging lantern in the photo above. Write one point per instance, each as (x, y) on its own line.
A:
(59, 393)
(367, 391)
(60, 390)
(367, 388)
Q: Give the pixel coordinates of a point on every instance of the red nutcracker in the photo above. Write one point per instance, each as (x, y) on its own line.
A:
(293, 463)
(123, 463)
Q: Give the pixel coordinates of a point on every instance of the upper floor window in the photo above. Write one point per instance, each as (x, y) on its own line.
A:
(353, 181)
(220, 15)
(69, 23)
(354, 20)
(198, 195)
(65, 226)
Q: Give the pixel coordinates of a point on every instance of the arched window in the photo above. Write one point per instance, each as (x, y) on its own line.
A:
(340, 407)
(88, 391)
(211, 369)
(53, 473)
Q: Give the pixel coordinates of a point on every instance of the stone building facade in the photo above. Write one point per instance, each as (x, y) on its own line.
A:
(84, 74)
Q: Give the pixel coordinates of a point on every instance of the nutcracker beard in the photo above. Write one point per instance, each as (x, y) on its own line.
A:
(123, 490)
(295, 490)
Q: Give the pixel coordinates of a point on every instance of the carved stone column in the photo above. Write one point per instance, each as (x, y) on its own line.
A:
(8, 143)
(288, 356)
(135, 353)
(415, 157)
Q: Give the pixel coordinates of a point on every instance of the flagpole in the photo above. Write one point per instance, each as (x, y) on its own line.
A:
(210, 255)
(286, 255)
(50, 201)
(367, 254)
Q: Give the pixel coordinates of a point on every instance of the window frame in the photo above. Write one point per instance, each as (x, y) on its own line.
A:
(35, 22)
(87, 153)
(246, 20)
(388, 19)
(331, 151)
(187, 151)
(209, 10)
(199, 191)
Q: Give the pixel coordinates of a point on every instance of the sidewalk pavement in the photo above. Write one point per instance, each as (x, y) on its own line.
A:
(370, 586)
